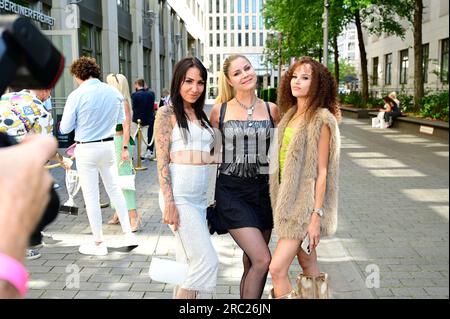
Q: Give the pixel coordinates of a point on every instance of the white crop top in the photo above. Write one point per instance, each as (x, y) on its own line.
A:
(198, 139)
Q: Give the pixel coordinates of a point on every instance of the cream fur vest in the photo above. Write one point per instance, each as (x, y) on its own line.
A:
(293, 199)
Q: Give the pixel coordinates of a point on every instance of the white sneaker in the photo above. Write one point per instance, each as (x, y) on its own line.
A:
(93, 249)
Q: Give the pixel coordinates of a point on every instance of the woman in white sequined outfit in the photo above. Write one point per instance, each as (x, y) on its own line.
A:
(184, 139)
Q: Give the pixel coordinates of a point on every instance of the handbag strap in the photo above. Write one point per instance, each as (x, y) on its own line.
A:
(159, 237)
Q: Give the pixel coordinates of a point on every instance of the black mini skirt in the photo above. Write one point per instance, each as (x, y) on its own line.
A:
(243, 202)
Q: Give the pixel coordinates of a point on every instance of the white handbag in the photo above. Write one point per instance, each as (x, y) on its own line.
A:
(167, 270)
(127, 182)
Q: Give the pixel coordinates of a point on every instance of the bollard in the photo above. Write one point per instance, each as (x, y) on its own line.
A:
(139, 166)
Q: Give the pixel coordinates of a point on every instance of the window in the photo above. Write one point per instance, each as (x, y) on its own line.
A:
(247, 6)
(254, 39)
(232, 39)
(232, 23)
(247, 39)
(211, 41)
(218, 39)
(425, 57)
(225, 6)
(239, 39)
(225, 27)
(261, 39)
(254, 22)
(225, 40)
(218, 62)
(239, 23)
(217, 23)
(253, 6)
(404, 64)
(124, 5)
(351, 46)
(261, 23)
(444, 61)
(91, 42)
(247, 22)
(125, 58)
(231, 6)
(261, 5)
(239, 5)
(388, 69)
(210, 23)
(375, 71)
(217, 6)
(210, 6)
(148, 66)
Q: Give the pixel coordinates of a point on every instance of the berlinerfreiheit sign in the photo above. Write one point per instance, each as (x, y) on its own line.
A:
(27, 12)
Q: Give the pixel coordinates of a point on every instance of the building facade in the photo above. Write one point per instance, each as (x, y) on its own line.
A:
(391, 59)
(236, 27)
(348, 46)
(138, 38)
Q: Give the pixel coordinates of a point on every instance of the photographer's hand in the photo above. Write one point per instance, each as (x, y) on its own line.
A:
(25, 185)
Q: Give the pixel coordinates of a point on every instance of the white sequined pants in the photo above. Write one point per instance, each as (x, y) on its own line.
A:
(189, 186)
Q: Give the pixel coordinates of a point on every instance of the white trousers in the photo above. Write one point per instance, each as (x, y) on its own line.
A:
(144, 131)
(193, 245)
(92, 159)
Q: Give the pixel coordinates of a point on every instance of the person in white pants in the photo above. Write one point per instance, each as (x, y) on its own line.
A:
(93, 111)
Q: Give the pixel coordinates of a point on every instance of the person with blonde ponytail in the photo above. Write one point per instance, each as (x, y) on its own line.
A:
(123, 146)
(242, 190)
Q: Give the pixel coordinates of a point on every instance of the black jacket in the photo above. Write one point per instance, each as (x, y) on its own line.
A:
(143, 106)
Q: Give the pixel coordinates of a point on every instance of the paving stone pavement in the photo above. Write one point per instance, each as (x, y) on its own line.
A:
(392, 239)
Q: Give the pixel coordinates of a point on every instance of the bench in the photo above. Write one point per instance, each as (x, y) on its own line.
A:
(414, 125)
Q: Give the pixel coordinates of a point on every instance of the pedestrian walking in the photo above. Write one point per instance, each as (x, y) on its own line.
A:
(124, 150)
(93, 110)
(143, 101)
(303, 183)
(23, 113)
(184, 138)
(242, 189)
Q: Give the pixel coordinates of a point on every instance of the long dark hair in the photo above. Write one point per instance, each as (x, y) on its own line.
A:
(178, 78)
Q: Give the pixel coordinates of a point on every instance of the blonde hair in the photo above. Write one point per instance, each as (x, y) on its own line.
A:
(393, 95)
(226, 91)
(120, 82)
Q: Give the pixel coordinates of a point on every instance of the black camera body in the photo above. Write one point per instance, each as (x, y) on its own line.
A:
(28, 60)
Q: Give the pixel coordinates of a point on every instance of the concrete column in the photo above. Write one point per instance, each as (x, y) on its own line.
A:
(137, 53)
(168, 44)
(155, 58)
(110, 38)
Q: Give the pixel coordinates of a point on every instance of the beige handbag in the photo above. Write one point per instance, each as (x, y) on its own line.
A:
(310, 287)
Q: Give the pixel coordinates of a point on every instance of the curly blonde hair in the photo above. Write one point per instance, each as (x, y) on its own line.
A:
(84, 68)
(322, 92)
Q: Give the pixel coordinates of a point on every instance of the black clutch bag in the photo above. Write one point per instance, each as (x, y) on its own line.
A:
(214, 223)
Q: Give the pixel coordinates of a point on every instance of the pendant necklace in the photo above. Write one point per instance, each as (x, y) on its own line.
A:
(249, 109)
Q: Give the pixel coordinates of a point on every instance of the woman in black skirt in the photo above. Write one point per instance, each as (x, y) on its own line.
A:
(242, 190)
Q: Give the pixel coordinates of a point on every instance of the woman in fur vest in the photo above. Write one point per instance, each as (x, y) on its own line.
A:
(304, 178)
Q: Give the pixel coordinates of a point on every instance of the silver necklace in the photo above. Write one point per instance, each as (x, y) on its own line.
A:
(249, 109)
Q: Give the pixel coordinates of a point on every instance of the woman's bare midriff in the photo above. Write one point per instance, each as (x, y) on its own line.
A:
(191, 158)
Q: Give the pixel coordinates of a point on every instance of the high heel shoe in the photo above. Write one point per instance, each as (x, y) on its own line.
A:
(114, 220)
(135, 222)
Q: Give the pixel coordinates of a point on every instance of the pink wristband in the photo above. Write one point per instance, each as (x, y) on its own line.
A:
(14, 272)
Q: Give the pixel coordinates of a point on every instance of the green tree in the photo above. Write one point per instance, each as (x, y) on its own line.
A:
(418, 55)
(300, 22)
(376, 17)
